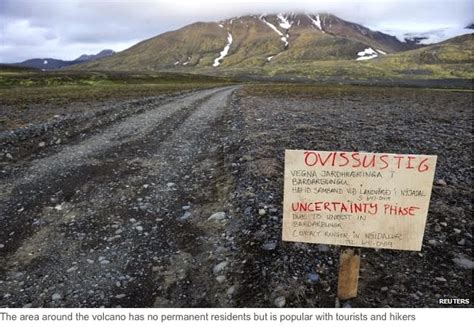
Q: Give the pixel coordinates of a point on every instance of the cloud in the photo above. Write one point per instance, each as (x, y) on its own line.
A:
(66, 29)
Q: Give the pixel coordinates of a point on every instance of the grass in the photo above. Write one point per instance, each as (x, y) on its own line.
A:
(22, 87)
(377, 69)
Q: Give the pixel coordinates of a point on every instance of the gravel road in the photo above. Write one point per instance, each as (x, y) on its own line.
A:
(99, 220)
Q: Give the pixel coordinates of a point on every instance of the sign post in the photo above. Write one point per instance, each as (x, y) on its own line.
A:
(356, 199)
(348, 278)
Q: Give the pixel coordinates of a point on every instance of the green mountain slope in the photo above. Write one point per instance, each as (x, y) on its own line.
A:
(309, 47)
(255, 41)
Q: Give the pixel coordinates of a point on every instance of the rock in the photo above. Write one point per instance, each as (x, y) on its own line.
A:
(73, 268)
(269, 246)
(464, 263)
(323, 248)
(462, 242)
(219, 267)
(230, 290)
(441, 182)
(186, 207)
(170, 184)
(56, 297)
(280, 302)
(145, 186)
(28, 305)
(220, 279)
(347, 305)
(9, 156)
(312, 278)
(441, 279)
(139, 228)
(217, 216)
(186, 216)
(384, 289)
(457, 230)
(432, 242)
(42, 144)
(262, 212)
(2, 246)
(120, 296)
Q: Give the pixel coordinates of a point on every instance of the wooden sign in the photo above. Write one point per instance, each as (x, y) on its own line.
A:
(374, 200)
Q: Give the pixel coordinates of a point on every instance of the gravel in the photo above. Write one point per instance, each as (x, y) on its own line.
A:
(177, 202)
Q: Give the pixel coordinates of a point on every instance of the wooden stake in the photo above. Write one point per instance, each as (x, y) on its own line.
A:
(348, 280)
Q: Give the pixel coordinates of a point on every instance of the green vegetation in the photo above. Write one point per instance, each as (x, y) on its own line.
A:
(448, 60)
(24, 87)
(257, 52)
(286, 90)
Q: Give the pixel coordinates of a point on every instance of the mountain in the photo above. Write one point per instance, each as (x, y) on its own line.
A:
(255, 41)
(52, 64)
(45, 63)
(457, 50)
(437, 35)
(103, 53)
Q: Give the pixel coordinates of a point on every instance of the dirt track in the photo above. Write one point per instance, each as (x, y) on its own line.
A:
(177, 202)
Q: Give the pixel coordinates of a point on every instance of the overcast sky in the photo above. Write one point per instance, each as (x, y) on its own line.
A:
(65, 29)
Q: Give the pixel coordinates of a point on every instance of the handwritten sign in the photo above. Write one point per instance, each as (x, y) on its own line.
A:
(374, 200)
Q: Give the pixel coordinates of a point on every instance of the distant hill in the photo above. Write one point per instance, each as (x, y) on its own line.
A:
(458, 50)
(102, 54)
(52, 64)
(437, 35)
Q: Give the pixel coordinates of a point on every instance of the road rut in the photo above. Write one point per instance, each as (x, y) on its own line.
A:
(120, 218)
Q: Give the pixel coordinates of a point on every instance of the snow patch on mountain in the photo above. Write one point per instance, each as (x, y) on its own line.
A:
(224, 52)
(273, 27)
(367, 54)
(283, 37)
(284, 23)
(316, 22)
(435, 36)
(187, 61)
(422, 33)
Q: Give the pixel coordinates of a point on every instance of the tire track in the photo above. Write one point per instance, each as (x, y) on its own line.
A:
(46, 239)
